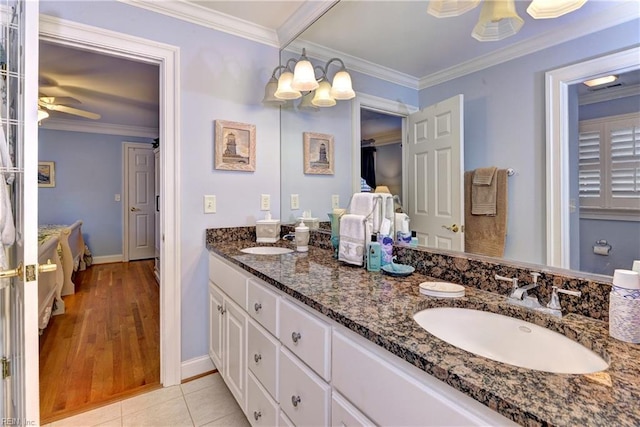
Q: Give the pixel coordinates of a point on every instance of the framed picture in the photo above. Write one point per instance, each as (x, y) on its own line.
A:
(235, 146)
(46, 174)
(318, 153)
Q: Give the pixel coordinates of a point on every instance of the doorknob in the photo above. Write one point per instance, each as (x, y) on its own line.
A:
(134, 209)
(453, 228)
(48, 267)
(14, 272)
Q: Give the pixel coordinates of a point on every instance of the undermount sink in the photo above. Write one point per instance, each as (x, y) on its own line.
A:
(509, 340)
(266, 250)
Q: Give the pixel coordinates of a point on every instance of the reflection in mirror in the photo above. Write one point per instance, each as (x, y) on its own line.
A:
(504, 121)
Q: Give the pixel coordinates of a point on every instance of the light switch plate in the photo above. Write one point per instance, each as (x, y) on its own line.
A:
(210, 204)
(265, 202)
(295, 202)
(335, 201)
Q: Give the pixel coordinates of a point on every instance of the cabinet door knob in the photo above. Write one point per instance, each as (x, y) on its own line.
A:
(219, 308)
(295, 400)
(295, 336)
(257, 357)
(257, 415)
(257, 306)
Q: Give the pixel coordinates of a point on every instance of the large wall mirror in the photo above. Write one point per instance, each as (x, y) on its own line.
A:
(505, 113)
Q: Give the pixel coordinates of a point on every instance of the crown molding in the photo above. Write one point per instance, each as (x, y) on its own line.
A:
(308, 13)
(609, 94)
(609, 18)
(99, 128)
(209, 18)
(354, 63)
(386, 138)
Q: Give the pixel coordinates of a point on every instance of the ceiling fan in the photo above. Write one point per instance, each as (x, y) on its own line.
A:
(54, 103)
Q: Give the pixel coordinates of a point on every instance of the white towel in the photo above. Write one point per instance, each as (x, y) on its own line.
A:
(7, 226)
(388, 213)
(352, 239)
(368, 205)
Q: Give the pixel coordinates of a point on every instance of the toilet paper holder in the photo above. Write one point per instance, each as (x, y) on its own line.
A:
(602, 247)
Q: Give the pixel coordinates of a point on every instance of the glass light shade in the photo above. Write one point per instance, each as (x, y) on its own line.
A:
(269, 93)
(448, 8)
(42, 114)
(498, 20)
(544, 9)
(305, 102)
(341, 88)
(323, 96)
(304, 78)
(285, 91)
(600, 81)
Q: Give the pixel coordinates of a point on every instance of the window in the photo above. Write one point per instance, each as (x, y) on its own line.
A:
(609, 166)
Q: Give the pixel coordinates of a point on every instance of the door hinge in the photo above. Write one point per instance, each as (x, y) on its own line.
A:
(6, 368)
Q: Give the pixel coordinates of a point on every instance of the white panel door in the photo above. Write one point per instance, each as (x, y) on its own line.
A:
(435, 168)
(141, 201)
(19, 208)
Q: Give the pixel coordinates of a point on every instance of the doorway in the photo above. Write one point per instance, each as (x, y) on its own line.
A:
(165, 56)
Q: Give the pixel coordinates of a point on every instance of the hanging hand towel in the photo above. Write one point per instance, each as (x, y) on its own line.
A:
(483, 192)
(352, 239)
(484, 234)
(369, 205)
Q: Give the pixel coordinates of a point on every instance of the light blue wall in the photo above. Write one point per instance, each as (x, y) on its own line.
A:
(222, 77)
(88, 176)
(504, 123)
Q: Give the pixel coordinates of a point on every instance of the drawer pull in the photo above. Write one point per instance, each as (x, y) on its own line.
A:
(222, 310)
(295, 336)
(257, 307)
(257, 357)
(257, 415)
(295, 400)
(219, 308)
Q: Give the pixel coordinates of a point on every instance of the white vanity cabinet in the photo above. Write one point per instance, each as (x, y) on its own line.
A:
(288, 365)
(228, 326)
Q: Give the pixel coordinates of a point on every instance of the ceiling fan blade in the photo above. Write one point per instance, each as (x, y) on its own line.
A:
(58, 99)
(74, 111)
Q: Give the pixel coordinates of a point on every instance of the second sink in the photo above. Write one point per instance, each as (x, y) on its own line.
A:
(509, 340)
(266, 250)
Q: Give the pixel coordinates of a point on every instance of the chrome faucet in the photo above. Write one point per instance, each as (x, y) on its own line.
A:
(554, 302)
(519, 294)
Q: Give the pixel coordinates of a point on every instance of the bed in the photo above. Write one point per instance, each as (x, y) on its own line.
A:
(71, 250)
(50, 283)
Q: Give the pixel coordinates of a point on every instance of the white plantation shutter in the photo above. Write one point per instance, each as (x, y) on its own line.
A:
(609, 163)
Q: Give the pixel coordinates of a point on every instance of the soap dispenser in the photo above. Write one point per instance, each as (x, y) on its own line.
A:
(302, 237)
(374, 254)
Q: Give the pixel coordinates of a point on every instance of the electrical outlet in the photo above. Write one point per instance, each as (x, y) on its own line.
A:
(265, 202)
(295, 202)
(117, 198)
(209, 204)
(335, 201)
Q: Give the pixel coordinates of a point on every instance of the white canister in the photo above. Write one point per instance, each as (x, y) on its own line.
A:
(302, 237)
(627, 279)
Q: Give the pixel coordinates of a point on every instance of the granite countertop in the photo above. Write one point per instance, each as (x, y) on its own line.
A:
(380, 308)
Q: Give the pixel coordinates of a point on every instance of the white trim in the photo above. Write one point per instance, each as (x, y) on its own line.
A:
(95, 39)
(100, 128)
(371, 102)
(557, 156)
(107, 259)
(301, 19)
(609, 94)
(196, 366)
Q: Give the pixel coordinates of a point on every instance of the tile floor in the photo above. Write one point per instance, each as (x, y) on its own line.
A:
(203, 402)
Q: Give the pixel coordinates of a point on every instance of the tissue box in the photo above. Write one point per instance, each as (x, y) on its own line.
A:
(312, 223)
(267, 230)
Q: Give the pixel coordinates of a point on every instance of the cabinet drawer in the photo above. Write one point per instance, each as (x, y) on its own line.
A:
(262, 305)
(228, 278)
(284, 421)
(345, 414)
(262, 357)
(306, 336)
(262, 410)
(390, 395)
(304, 396)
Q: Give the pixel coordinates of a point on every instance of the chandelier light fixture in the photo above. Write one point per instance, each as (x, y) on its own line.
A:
(498, 18)
(303, 82)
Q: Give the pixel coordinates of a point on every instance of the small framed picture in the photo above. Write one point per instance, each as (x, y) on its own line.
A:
(235, 146)
(318, 153)
(46, 174)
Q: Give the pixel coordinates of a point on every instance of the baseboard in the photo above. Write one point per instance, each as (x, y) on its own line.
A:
(107, 259)
(196, 366)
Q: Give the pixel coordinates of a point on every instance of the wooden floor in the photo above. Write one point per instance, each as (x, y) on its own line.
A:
(107, 344)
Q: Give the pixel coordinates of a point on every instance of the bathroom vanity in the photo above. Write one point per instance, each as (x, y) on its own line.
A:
(302, 339)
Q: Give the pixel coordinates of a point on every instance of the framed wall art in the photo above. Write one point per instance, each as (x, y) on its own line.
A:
(46, 174)
(318, 153)
(235, 146)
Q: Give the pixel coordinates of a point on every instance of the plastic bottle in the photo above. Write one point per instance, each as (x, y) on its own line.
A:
(373, 254)
(414, 239)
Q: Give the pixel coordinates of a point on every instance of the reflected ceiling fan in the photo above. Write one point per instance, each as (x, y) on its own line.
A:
(55, 103)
